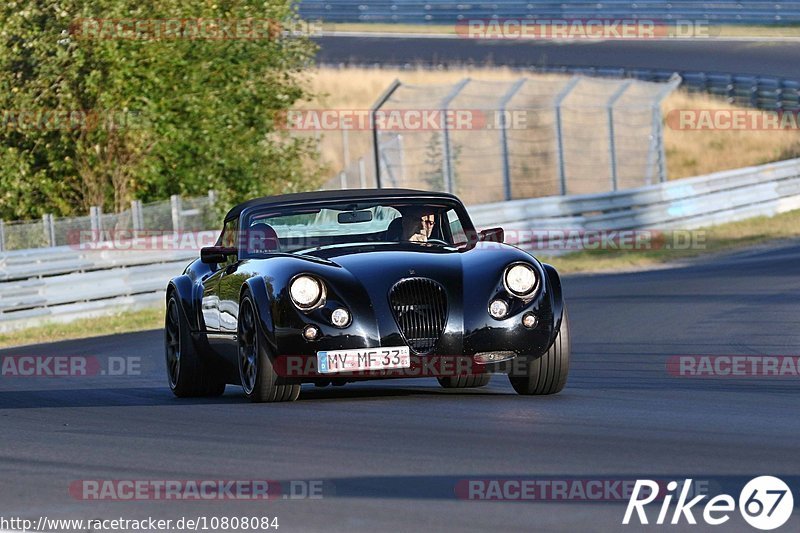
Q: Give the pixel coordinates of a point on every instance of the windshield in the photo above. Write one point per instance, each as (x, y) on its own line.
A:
(430, 223)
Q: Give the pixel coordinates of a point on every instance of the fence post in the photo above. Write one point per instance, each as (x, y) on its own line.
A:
(656, 151)
(373, 124)
(343, 179)
(212, 197)
(504, 135)
(2, 236)
(96, 221)
(362, 172)
(345, 147)
(49, 230)
(562, 176)
(175, 203)
(612, 145)
(447, 163)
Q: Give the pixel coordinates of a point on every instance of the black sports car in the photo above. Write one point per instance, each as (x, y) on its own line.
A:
(337, 286)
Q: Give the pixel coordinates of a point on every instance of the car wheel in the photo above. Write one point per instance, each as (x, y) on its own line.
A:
(470, 381)
(187, 374)
(259, 379)
(548, 373)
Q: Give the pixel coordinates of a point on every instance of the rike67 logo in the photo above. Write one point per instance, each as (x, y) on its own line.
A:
(765, 503)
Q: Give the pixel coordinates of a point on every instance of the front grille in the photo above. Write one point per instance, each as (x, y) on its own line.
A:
(420, 309)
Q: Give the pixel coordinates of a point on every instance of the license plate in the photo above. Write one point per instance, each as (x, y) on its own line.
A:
(363, 359)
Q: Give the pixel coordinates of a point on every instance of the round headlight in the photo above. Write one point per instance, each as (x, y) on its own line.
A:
(498, 309)
(521, 279)
(340, 317)
(306, 292)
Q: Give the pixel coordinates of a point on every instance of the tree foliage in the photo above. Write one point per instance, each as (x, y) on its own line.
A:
(166, 115)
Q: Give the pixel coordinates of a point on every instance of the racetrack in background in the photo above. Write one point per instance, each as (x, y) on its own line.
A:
(757, 57)
(391, 453)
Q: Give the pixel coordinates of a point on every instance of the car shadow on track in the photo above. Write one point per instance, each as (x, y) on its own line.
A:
(160, 396)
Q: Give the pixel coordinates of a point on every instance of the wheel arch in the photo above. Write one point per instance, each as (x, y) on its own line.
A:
(183, 287)
(263, 304)
(556, 296)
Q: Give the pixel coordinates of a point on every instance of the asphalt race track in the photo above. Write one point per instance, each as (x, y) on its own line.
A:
(388, 455)
(758, 57)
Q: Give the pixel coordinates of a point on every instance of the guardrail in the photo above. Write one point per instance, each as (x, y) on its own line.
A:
(438, 12)
(61, 284)
(682, 204)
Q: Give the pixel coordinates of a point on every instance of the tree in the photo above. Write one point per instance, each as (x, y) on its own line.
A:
(101, 104)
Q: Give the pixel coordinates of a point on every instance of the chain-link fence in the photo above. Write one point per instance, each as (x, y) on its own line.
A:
(176, 214)
(492, 141)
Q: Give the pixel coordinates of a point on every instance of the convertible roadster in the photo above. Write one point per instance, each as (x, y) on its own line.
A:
(342, 286)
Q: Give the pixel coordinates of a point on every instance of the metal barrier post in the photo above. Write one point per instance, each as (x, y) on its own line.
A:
(612, 146)
(95, 214)
(504, 135)
(447, 163)
(562, 176)
(375, 143)
(136, 215)
(2, 236)
(343, 179)
(212, 197)
(175, 203)
(49, 230)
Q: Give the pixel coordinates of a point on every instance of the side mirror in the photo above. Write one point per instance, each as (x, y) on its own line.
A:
(492, 235)
(211, 255)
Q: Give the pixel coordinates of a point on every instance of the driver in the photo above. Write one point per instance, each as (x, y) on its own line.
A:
(418, 224)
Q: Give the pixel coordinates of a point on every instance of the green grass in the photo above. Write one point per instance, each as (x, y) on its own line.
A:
(124, 322)
(715, 239)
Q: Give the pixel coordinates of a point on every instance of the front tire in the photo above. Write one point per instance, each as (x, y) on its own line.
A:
(187, 375)
(548, 373)
(258, 377)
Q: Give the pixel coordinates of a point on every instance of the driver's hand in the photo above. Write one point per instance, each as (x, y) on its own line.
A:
(418, 237)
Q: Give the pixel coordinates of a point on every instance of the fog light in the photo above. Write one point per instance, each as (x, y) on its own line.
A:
(498, 309)
(340, 317)
(493, 357)
(529, 320)
(310, 332)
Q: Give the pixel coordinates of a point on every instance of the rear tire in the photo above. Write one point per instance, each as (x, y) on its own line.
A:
(470, 381)
(187, 374)
(258, 377)
(548, 373)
